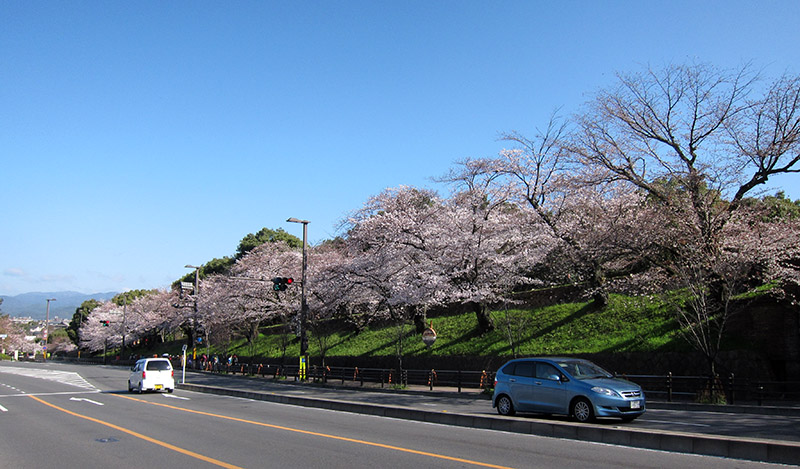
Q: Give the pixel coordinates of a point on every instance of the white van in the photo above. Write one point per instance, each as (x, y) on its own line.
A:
(151, 374)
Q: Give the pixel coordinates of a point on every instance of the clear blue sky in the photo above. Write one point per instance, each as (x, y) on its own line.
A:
(138, 137)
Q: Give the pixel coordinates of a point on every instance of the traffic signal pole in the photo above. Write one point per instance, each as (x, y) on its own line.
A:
(303, 303)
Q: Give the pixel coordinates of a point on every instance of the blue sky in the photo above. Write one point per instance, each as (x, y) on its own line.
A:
(138, 137)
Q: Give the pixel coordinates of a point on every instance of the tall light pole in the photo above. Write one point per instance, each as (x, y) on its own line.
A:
(194, 317)
(303, 303)
(196, 277)
(47, 327)
(124, 322)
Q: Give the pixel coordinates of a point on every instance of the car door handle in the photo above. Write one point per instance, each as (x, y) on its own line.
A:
(512, 380)
(538, 383)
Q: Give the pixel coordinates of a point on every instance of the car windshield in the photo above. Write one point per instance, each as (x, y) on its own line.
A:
(581, 369)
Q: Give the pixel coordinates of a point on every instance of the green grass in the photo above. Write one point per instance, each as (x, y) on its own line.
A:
(628, 324)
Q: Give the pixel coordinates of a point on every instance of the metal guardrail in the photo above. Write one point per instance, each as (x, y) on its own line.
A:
(355, 376)
(667, 387)
(704, 388)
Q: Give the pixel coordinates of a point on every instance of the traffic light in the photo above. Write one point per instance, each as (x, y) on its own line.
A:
(281, 283)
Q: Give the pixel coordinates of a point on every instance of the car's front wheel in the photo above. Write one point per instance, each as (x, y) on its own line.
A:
(505, 406)
(582, 410)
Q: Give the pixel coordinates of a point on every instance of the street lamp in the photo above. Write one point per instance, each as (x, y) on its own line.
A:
(47, 327)
(194, 318)
(303, 304)
(196, 277)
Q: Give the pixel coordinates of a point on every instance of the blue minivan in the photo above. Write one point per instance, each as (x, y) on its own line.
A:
(567, 386)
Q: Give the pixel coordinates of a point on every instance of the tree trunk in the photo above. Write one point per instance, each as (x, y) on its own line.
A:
(485, 323)
(420, 319)
(600, 295)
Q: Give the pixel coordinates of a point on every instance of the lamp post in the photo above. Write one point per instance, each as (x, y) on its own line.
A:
(194, 317)
(303, 303)
(47, 327)
(124, 323)
(196, 277)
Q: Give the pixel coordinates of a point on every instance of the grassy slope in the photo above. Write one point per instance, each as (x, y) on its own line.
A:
(628, 324)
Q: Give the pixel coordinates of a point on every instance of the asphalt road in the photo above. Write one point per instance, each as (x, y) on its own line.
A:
(56, 415)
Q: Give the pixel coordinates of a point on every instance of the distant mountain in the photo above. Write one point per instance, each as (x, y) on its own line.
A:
(34, 305)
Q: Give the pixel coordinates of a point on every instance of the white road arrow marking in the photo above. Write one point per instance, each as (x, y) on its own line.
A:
(84, 399)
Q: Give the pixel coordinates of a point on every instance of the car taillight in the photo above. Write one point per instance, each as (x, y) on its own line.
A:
(172, 373)
(144, 374)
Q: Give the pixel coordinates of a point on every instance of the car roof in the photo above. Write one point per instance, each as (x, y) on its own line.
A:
(550, 359)
(553, 360)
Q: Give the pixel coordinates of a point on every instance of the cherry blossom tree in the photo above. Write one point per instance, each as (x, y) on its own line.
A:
(690, 136)
(101, 329)
(391, 256)
(159, 313)
(330, 295)
(696, 140)
(14, 335)
(583, 221)
(248, 298)
(487, 250)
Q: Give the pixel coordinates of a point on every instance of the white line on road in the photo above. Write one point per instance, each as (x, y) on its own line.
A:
(84, 399)
(3, 409)
(24, 394)
(679, 423)
(176, 397)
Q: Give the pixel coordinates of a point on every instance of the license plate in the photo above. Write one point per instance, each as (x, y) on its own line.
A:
(636, 405)
(159, 386)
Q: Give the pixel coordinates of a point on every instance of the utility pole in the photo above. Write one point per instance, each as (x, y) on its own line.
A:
(47, 327)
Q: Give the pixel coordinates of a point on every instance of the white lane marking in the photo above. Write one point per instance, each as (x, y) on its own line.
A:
(679, 423)
(11, 387)
(66, 377)
(86, 400)
(172, 396)
(25, 394)
(3, 409)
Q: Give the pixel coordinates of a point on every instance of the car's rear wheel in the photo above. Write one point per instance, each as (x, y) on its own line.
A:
(169, 390)
(582, 410)
(505, 406)
(130, 388)
(140, 389)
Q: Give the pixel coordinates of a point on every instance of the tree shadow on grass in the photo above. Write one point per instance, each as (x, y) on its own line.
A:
(587, 309)
(473, 335)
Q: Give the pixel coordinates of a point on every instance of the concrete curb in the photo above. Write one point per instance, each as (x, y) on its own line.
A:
(728, 447)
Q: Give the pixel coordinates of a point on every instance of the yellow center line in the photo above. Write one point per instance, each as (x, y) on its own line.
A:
(143, 437)
(323, 435)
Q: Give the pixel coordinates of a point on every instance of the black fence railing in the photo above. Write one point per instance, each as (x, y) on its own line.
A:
(706, 389)
(461, 380)
(669, 387)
